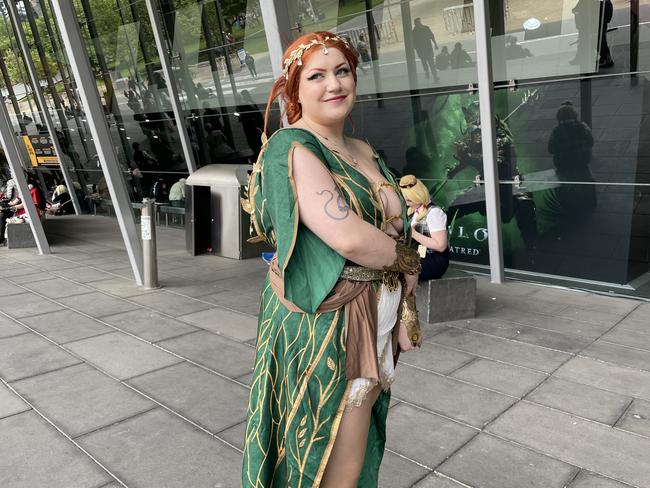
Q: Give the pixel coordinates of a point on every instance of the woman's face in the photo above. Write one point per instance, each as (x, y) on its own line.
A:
(327, 90)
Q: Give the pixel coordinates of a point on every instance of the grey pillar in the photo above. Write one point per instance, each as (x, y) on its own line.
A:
(7, 138)
(11, 94)
(488, 134)
(73, 42)
(276, 22)
(164, 54)
(40, 98)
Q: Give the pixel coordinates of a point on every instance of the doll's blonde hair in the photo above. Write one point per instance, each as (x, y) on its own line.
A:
(414, 190)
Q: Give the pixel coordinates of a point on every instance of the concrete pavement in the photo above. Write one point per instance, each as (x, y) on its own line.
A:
(104, 384)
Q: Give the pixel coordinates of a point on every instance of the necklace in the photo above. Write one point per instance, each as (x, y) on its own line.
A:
(352, 159)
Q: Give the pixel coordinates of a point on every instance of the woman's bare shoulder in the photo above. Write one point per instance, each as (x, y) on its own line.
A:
(362, 145)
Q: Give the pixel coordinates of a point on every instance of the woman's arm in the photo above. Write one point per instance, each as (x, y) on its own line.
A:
(437, 241)
(323, 210)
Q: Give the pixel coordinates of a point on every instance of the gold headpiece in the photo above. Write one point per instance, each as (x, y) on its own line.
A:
(296, 54)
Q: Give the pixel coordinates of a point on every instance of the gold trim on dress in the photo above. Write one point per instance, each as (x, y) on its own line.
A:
(333, 435)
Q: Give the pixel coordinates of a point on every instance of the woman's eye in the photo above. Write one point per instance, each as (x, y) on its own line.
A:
(343, 71)
(314, 76)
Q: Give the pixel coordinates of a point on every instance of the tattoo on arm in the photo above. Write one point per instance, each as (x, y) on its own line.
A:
(335, 206)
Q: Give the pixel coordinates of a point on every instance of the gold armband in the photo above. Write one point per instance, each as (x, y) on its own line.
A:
(407, 261)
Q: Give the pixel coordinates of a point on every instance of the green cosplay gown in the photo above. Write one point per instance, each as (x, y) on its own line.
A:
(299, 386)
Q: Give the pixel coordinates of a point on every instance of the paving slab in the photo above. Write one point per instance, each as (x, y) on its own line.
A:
(31, 278)
(54, 264)
(490, 326)
(28, 355)
(218, 353)
(196, 289)
(423, 436)
(621, 355)
(451, 398)
(10, 403)
(148, 324)
(607, 376)
(548, 322)
(597, 317)
(33, 454)
(10, 327)
(170, 303)
(233, 324)
(97, 304)
(84, 275)
(436, 358)
(397, 472)
(565, 342)
(504, 350)
(122, 355)
(589, 480)
(636, 418)
(57, 288)
(207, 399)
(80, 399)
(489, 462)
(65, 325)
(250, 283)
(537, 305)
(243, 302)
(26, 304)
(505, 378)
(583, 400)
(120, 287)
(627, 337)
(235, 435)
(159, 441)
(17, 270)
(434, 480)
(7, 289)
(596, 447)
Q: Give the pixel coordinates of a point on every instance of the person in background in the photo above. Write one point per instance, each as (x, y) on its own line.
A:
(428, 228)
(61, 201)
(443, 60)
(250, 64)
(606, 60)
(177, 194)
(460, 58)
(424, 42)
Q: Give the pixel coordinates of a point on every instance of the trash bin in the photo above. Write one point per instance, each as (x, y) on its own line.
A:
(217, 224)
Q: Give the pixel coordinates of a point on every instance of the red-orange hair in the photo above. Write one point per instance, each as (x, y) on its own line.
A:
(287, 88)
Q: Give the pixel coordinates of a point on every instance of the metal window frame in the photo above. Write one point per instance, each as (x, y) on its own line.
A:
(19, 32)
(78, 56)
(164, 56)
(488, 135)
(8, 140)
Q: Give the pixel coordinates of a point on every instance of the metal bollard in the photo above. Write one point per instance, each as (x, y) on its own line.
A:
(149, 252)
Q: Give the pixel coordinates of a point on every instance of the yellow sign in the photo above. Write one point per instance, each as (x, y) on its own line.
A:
(40, 149)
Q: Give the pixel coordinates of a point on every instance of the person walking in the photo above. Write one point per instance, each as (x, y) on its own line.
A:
(424, 42)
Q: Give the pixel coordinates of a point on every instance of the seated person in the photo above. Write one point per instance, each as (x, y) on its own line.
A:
(428, 228)
(61, 202)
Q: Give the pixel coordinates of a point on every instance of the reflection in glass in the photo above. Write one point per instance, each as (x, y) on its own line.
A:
(551, 38)
(401, 45)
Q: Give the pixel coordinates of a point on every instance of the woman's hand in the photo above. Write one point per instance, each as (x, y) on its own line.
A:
(411, 283)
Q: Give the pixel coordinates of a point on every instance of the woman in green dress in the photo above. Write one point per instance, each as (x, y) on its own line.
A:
(327, 337)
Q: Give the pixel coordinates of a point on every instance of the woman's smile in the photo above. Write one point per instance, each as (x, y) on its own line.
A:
(336, 99)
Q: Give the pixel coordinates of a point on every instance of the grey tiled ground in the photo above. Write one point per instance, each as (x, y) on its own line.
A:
(546, 388)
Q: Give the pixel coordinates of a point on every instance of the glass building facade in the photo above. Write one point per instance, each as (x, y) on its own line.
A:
(184, 83)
